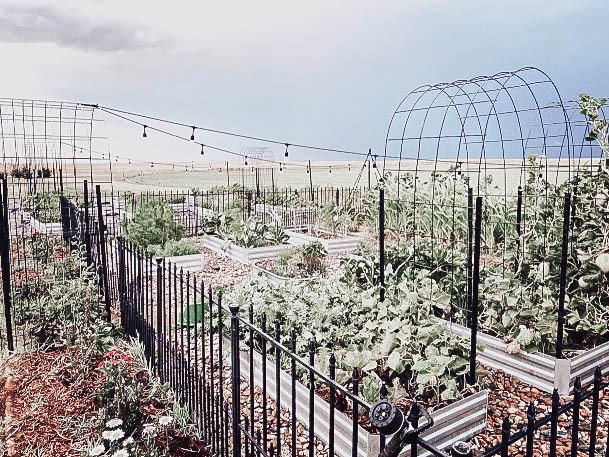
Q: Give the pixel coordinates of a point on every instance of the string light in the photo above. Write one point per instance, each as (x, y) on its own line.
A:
(349, 167)
(202, 150)
(330, 170)
(245, 160)
(374, 162)
(286, 149)
(152, 165)
(192, 136)
(144, 134)
(280, 167)
(129, 161)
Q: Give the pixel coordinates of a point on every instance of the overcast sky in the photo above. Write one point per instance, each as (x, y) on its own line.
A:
(321, 72)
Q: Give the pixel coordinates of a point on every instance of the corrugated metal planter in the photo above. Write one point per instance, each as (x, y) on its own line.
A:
(458, 421)
(539, 370)
(340, 243)
(245, 255)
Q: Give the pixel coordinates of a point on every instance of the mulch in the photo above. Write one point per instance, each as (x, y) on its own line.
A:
(47, 403)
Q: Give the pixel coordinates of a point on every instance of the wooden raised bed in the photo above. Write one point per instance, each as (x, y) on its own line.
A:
(336, 243)
(245, 255)
(539, 370)
(459, 421)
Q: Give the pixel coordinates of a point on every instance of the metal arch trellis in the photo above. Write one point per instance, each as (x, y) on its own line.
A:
(516, 152)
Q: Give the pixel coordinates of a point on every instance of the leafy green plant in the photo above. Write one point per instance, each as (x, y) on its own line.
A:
(44, 206)
(339, 219)
(253, 233)
(174, 248)
(390, 339)
(153, 224)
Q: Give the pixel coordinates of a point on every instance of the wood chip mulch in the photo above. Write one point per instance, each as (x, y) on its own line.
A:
(46, 403)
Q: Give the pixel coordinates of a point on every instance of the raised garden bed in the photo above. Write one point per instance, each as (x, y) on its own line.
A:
(539, 370)
(460, 420)
(245, 255)
(192, 262)
(51, 228)
(332, 243)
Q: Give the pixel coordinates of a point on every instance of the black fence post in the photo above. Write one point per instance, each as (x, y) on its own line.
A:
(505, 437)
(530, 429)
(413, 418)
(382, 243)
(102, 248)
(5, 262)
(159, 317)
(596, 389)
(236, 379)
(470, 244)
(563, 277)
(518, 228)
(554, 413)
(249, 204)
(87, 228)
(577, 395)
(122, 280)
(473, 312)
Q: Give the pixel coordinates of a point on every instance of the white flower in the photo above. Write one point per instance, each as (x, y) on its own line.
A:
(602, 261)
(165, 420)
(113, 435)
(113, 423)
(97, 450)
(121, 453)
(148, 429)
(583, 284)
(129, 441)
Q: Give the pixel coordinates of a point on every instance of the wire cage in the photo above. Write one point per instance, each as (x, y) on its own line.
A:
(493, 195)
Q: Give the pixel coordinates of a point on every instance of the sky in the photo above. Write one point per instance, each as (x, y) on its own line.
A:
(328, 73)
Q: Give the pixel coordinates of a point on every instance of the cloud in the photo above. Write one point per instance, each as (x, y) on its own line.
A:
(65, 28)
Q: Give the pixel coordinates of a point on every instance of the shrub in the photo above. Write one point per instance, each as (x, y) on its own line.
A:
(174, 248)
(153, 224)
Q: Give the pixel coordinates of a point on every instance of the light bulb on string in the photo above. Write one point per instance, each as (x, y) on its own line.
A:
(349, 167)
(192, 135)
(286, 149)
(330, 169)
(129, 161)
(280, 167)
(202, 150)
(245, 160)
(374, 162)
(144, 134)
(151, 164)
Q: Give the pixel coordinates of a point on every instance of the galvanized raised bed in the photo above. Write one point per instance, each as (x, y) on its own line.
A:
(50, 228)
(539, 370)
(336, 243)
(459, 421)
(245, 255)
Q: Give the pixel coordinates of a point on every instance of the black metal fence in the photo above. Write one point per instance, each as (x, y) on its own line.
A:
(292, 207)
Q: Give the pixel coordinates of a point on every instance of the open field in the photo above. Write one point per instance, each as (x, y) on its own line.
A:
(142, 177)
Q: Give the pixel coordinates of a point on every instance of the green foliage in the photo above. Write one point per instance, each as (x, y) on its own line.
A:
(174, 248)
(599, 128)
(44, 206)
(153, 224)
(253, 233)
(399, 338)
(64, 307)
(304, 260)
(338, 218)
